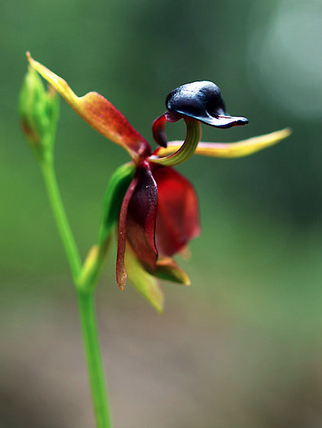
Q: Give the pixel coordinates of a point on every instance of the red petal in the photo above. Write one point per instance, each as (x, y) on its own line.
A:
(98, 113)
(178, 214)
(158, 131)
(106, 119)
(141, 218)
(120, 269)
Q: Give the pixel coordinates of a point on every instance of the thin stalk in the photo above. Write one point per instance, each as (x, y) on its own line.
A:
(85, 296)
(86, 305)
(61, 220)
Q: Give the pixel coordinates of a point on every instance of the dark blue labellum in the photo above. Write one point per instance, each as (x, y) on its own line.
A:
(202, 101)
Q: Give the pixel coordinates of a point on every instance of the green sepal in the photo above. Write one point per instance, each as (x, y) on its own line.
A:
(39, 113)
(116, 189)
(168, 270)
(146, 284)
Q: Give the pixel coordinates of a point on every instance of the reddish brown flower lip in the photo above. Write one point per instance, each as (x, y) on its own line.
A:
(159, 216)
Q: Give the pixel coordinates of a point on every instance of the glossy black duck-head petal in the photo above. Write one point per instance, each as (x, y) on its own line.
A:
(202, 101)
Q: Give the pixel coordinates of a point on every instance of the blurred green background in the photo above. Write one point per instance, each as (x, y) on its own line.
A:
(242, 346)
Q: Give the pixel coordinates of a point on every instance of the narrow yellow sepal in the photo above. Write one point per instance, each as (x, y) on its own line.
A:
(231, 150)
(57, 82)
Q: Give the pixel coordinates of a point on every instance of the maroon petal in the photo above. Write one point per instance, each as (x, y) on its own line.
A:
(178, 214)
(158, 130)
(141, 217)
(120, 269)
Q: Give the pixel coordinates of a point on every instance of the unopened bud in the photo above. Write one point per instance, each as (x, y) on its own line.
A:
(39, 112)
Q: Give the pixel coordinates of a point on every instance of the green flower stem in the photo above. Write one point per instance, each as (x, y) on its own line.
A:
(61, 219)
(85, 287)
(95, 368)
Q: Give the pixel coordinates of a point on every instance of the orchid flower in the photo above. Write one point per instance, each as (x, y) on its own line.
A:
(157, 215)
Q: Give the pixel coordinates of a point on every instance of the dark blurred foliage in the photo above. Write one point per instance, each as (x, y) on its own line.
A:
(242, 346)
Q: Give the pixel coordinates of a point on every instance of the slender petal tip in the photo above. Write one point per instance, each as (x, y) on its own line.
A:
(201, 101)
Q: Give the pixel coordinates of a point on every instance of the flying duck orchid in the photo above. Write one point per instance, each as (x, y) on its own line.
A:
(154, 207)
